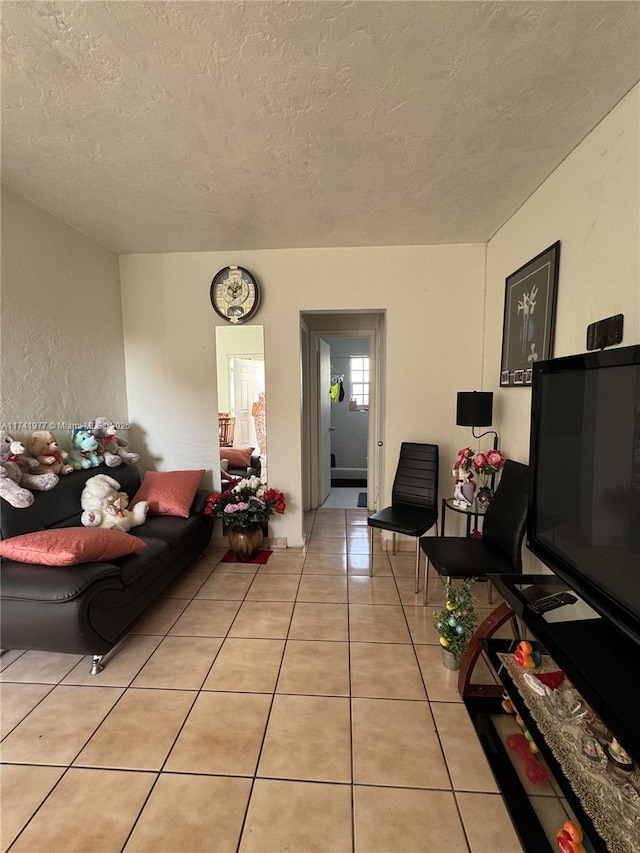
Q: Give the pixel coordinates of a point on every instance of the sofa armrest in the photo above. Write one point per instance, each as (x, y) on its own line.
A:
(199, 502)
(30, 581)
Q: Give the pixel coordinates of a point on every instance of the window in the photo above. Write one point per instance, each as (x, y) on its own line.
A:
(360, 381)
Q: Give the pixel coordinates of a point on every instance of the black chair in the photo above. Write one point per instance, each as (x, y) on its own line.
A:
(499, 551)
(414, 498)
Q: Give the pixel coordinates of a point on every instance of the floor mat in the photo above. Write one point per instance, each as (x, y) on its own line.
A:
(362, 499)
(259, 557)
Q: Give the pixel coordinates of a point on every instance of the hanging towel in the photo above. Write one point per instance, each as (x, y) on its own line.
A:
(334, 392)
(341, 392)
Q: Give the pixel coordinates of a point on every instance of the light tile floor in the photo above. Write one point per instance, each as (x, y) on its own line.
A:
(297, 706)
(343, 497)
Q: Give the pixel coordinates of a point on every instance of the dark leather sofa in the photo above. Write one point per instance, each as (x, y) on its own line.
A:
(89, 607)
(235, 471)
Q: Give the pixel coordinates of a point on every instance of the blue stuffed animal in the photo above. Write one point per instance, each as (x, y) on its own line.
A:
(83, 453)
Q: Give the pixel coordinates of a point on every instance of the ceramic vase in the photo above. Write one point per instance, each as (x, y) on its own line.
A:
(468, 490)
(449, 660)
(246, 540)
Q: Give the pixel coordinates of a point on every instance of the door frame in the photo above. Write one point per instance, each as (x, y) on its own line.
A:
(375, 422)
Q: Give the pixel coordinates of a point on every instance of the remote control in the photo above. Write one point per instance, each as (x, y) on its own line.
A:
(551, 602)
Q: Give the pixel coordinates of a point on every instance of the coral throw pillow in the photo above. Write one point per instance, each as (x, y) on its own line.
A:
(66, 546)
(169, 492)
(238, 457)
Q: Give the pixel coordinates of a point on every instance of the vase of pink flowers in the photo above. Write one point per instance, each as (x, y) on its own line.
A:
(471, 464)
(245, 508)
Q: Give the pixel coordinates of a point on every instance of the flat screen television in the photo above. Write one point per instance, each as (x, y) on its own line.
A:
(584, 470)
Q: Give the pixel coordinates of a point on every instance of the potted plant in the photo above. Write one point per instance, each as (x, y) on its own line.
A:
(456, 622)
(245, 507)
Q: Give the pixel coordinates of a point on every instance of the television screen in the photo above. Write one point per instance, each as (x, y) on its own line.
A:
(584, 513)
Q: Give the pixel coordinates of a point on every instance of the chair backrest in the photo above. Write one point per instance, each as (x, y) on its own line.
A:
(506, 517)
(226, 429)
(416, 480)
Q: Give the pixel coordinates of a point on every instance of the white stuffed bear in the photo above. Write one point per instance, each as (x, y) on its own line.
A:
(105, 506)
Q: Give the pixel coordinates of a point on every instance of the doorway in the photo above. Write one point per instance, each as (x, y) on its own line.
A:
(342, 438)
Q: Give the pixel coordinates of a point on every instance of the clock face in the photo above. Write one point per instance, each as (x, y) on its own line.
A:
(235, 294)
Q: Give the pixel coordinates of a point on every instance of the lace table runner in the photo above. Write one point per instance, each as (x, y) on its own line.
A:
(609, 795)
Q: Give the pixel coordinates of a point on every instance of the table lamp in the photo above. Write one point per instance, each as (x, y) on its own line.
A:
(475, 409)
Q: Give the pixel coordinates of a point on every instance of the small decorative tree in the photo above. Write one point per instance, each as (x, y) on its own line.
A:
(458, 620)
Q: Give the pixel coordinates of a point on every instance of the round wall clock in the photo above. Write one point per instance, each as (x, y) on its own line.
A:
(235, 294)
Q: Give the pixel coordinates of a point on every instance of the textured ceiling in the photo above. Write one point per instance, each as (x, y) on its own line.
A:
(192, 126)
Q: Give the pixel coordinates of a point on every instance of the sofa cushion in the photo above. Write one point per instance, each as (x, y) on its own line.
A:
(237, 457)
(175, 531)
(68, 546)
(169, 492)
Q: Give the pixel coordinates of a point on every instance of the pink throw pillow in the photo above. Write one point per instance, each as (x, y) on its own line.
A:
(169, 492)
(66, 546)
(238, 457)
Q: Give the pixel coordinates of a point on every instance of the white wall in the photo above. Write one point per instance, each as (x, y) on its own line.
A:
(170, 347)
(62, 335)
(591, 203)
(62, 338)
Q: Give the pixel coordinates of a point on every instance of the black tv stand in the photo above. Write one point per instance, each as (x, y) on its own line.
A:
(602, 663)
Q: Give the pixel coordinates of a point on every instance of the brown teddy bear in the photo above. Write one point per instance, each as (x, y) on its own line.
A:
(16, 477)
(44, 448)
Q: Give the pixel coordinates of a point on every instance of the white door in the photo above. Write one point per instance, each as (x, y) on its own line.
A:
(247, 382)
(324, 377)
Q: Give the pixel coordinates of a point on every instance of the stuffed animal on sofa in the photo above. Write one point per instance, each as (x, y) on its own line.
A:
(85, 446)
(15, 473)
(105, 506)
(43, 446)
(110, 446)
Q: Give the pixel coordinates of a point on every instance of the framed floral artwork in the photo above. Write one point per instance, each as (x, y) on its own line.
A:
(529, 317)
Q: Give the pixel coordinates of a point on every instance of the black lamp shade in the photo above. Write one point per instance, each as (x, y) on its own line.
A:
(475, 408)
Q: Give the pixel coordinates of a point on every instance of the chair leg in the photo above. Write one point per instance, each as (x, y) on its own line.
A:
(371, 552)
(393, 552)
(417, 564)
(426, 582)
(489, 591)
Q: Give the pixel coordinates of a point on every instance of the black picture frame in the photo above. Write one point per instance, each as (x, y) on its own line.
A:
(527, 332)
